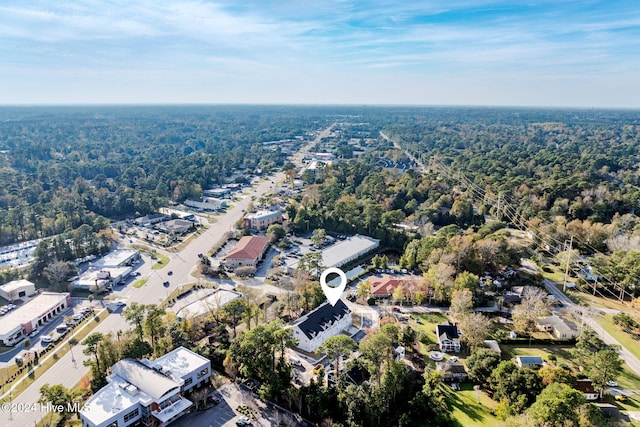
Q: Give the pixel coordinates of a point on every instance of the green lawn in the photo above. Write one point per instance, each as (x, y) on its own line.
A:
(561, 352)
(161, 262)
(426, 323)
(470, 408)
(626, 340)
(139, 283)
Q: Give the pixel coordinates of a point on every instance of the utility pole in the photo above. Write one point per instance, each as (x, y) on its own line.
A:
(566, 271)
(498, 216)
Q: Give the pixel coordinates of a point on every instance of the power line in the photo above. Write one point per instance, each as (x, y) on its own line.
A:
(504, 207)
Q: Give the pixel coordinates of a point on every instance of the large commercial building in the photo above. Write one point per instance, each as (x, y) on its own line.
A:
(206, 203)
(118, 258)
(247, 252)
(17, 324)
(17, 289)
(261, 220)
(325, 321)
(113, 268)
(343, 252)
(148, 393)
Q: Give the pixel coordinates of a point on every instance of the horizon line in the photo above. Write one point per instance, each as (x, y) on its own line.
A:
(298, 104)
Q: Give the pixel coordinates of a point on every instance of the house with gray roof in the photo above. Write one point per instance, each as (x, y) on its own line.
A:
(558, 326)
(534, 362)
(327, 320)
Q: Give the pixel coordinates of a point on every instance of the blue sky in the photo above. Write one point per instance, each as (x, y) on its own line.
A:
(456, 52)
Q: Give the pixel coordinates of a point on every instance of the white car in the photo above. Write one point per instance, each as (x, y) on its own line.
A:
(612, 384)
(34, 333)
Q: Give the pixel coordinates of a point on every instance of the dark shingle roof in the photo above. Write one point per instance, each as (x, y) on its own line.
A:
(325, 314)
(447, 332)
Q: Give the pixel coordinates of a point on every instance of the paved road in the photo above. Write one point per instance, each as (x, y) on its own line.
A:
(182, 264)
(588, 320)
(65, 371)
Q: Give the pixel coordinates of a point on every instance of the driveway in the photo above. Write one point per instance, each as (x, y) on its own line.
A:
(226, 412)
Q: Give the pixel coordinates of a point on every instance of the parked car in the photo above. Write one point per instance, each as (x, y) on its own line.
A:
(612, 383)
(243, 422)
(296, 362)
(317, 368)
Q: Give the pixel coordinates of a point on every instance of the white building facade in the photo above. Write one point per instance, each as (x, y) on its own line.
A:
(149, 393)
(325, 321)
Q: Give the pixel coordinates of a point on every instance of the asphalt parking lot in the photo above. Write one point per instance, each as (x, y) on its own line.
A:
(224, 413)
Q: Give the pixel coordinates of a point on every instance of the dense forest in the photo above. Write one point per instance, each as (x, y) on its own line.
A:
(576, 163)
(62, 167)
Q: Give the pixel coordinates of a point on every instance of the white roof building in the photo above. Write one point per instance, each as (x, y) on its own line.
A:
(261, 220)
(147, 392)
(20, 322)
(343, 252)
(17, 289)
(118, 258)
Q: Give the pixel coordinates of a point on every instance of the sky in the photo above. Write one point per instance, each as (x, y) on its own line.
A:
(583, 53)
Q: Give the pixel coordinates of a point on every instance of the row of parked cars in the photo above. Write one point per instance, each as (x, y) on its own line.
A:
(64, 328)
(6, 308)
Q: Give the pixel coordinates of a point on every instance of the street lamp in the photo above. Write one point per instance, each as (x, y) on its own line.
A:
(73, 359)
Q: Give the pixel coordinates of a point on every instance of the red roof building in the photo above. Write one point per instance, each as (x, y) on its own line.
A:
(383, 287)
(247, 252)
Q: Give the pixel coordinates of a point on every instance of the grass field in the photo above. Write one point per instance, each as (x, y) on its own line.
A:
(426, 323)
(470, 408)
(626, 340)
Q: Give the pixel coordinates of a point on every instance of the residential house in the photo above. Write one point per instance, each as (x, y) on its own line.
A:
(558, 326)
(448, 338)
(146, 393)
(312, 329)
(586, 387)
(534, 362)
(247, 252)
(452, 371)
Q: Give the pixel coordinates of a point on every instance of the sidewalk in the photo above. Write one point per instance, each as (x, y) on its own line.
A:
(49, 356)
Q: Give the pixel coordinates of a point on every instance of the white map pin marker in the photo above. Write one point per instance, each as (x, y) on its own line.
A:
(333, 293)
